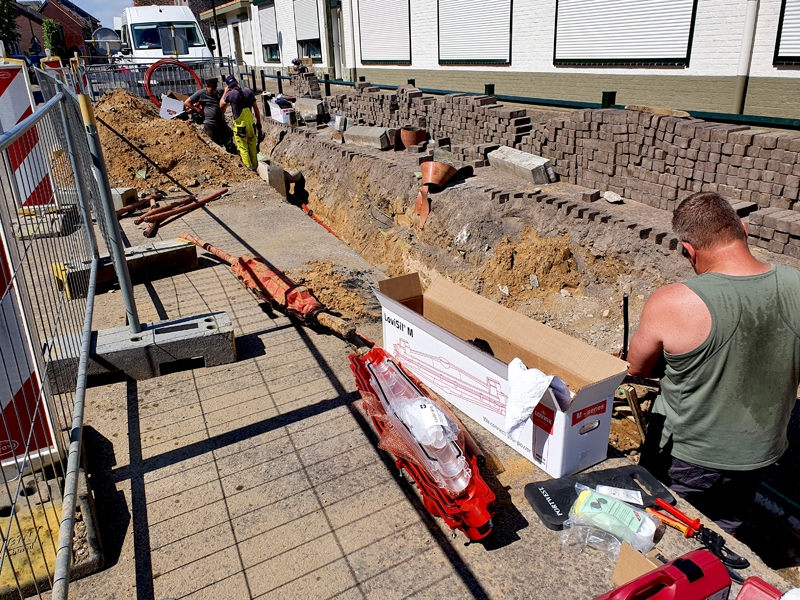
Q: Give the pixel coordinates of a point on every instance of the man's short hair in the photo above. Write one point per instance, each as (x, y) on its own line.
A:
(212, 83)
(706, 220)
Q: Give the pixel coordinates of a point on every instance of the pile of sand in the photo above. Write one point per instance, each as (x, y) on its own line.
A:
(334, 289)
(536, 266)
(181, 156)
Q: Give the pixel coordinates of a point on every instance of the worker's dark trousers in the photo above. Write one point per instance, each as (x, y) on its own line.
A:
(724, 496)
(221, 134)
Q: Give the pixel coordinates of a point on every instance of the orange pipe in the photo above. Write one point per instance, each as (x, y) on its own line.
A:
(310, 213)
(131, 207)
(161, 209)
(150, 230)
(184, 209)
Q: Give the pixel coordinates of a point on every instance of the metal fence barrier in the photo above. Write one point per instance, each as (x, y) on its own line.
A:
(129, 74)
(48, 191)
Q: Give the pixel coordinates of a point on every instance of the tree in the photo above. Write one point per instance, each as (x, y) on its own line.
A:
(54, 38)
(8, 24)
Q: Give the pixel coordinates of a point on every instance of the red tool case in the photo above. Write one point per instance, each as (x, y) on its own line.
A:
(758, 589)
(697, 575)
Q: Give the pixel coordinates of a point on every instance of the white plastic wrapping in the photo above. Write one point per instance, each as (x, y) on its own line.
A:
(603, 523)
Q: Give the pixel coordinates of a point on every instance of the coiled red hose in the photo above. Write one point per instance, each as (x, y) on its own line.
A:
(160, 63)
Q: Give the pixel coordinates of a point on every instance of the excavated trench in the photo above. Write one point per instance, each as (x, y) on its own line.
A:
(569, 273)
(523, 253)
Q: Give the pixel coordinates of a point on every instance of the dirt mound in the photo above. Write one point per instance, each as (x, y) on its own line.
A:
(536, 266)
(336, 289)
(179, 153)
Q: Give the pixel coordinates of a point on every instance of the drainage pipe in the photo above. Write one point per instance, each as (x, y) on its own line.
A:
(745, 57)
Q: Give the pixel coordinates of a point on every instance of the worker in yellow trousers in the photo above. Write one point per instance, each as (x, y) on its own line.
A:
(246, 120)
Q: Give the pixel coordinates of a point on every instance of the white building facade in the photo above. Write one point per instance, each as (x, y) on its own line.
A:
(688, 54)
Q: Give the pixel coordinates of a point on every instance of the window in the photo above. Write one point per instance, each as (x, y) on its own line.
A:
(271, 53)
(787, 44)
(385, 30)
(474, 32)
(146, 36)
(629, 32)
(269, 33)
(246, 32)
(306, 19)
(310, 49)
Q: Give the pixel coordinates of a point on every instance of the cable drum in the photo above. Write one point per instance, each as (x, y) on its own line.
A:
(170, 64)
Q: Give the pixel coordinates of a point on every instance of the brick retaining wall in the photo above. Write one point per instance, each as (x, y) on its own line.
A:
(654, 159)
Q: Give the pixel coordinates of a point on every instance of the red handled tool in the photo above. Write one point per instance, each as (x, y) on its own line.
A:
(693, 528)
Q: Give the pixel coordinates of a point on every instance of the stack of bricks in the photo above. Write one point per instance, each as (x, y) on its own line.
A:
(368, 106)
(775, 230)
(659, 160)
(475, 156)
(306, 85)
(654, 159)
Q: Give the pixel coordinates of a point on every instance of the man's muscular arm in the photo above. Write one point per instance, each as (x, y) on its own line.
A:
(647, 343)
(675, 320)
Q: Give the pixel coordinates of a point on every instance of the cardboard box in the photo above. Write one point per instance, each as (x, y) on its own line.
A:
(436, 335)
(632, 564)
(281, 115)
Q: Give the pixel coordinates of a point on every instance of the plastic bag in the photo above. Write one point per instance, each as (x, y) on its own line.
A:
(602, 522)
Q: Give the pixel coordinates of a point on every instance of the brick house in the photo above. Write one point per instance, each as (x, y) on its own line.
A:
(77, 23)
(29, 25)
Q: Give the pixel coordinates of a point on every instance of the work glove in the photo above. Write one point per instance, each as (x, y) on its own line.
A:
(261, 134)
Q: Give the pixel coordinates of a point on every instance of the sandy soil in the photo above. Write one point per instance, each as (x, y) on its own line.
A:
(181, 155)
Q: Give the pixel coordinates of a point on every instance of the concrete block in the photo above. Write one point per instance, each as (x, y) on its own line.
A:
(381, 138)
(275, 176)
(122, 197)
(312, 110)
(151, 353)
(340, 123)
(520, 164)
(44, 223)
(164, 258)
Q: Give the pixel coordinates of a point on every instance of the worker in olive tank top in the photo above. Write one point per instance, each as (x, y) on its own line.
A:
(727, 346)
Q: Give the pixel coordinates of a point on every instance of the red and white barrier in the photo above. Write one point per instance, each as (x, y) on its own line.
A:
(25, 418)
(28, 160)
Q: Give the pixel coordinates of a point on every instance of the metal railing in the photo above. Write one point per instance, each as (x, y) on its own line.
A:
(48, 191)
(129, 73)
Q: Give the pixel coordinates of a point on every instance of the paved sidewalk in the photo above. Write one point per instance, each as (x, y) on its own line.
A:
(258, 479)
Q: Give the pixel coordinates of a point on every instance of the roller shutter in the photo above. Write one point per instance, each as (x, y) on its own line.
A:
(268, 25)
(623, 31)
(247, 36)
(225, 41)
(787, 46)
(306, 20)
(385, 29)
(475, 32)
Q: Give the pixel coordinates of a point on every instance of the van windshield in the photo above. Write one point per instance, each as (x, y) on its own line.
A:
(145, 35)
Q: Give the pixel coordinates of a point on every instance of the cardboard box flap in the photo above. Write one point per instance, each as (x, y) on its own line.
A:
(492, 364)
(510, 334)
(407, 290)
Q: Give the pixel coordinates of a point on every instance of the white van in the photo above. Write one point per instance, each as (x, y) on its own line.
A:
(156, 32)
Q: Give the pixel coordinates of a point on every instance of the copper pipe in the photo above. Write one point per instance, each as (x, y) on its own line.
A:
(164, 208)
(184, 209)
(150, 230)
(131, 207)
